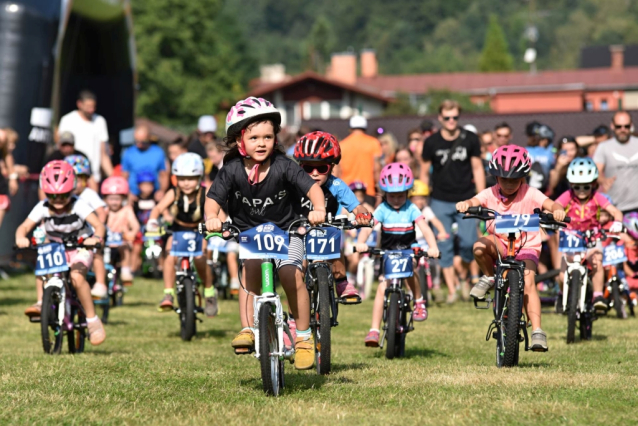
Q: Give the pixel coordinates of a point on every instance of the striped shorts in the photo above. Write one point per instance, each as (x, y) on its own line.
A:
(296, 252)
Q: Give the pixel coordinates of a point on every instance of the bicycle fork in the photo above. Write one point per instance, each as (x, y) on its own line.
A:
(576, 265)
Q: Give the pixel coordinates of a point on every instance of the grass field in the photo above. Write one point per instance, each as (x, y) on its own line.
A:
(144, 373)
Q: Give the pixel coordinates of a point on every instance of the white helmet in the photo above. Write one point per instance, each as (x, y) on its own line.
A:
(248, 109)
(582, 170)
(188, 164)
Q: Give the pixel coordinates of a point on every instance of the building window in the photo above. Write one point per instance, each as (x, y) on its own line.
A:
(603, 105)
(315, 110)
(589, 106)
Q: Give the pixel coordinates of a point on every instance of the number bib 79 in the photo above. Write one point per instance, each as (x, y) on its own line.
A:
(571, 242)
(397, 264)
(507, 224)
(51, 259)
(187, 244)
(113, 239)
(265, 241)
(613, 255)
(323, 244)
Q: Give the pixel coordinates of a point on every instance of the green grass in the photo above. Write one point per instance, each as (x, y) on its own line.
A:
(144, 373)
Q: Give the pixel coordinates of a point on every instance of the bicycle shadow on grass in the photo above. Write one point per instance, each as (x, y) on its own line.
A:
(416, 353)
(137, 303)
(214, 333)
(294, 383)
(337, 368)
(12, 301)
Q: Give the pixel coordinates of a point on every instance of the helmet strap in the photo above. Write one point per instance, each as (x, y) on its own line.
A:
(253, 176)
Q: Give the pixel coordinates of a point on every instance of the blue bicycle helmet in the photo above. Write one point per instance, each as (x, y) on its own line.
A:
(145, 176)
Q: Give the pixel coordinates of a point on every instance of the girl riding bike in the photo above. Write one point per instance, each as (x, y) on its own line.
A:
(257, 185)
(511, 165)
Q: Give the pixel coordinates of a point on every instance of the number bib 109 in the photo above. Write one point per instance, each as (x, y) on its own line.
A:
(507, 224)
(613, 255)
(323, 244)
(397, 264)
(51, 259)
(113, 239)
(265, 241)
(571, 242)
(187, 244)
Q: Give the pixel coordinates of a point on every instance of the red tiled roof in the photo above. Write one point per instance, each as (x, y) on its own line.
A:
(485, 83)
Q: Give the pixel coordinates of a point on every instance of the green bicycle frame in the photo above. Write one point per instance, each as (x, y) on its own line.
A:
(267, 278)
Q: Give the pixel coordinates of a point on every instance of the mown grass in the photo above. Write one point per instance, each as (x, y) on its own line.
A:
(144, 373)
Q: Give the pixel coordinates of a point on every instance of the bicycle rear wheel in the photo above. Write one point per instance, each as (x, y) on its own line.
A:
(619, 304)
(322, 329)
(513, 310)
(187, 319)
(271, 365)
(50, 329)
(573, 299)
(392, 321)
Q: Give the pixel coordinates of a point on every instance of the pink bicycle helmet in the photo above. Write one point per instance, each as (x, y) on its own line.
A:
(631, 223)
(510, 161)
(396, 177)
(357, 185)
(115, 185)
(57, 177)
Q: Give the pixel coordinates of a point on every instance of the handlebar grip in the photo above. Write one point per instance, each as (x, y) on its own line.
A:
(567, 219)
(475, 210)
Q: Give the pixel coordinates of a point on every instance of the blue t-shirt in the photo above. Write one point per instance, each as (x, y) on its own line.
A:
(543, 156)
(337, 194)
(397, 226)
(135, 161)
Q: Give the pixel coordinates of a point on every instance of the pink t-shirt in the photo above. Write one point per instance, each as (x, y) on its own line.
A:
(584, 216)
(527, 199)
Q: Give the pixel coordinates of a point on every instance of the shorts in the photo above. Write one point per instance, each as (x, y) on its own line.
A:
(5, 202)
(524, 253)
(296, 252)
(81, 255)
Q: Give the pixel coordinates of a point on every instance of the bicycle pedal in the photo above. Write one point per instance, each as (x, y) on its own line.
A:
(34, 319)
(352, 300)
(244, 351)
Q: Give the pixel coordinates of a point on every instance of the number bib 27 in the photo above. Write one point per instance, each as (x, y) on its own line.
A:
(187, 244)
(51, 259)
(265, 241)
(397, 264)
(613, 255)
(513, 223)
(323, 244)
(571, 242)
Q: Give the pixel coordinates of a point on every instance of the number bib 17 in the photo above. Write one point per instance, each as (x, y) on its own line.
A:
(113, 239)
(397, 264)
(571, 242)
(323, 244)
(507, 224)
(265, 241)
(51, 259)
(187, 244)
(613, 255)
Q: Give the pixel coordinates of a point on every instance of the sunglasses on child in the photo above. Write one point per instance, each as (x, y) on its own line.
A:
(61, 197)
(322, 169)
(581, 187)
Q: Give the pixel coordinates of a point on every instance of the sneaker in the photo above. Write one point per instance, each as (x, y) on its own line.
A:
(34, 310)
(600, 304)
(211, 308)
(348, 293)
(372, 339)
(99, 291)
(539, 341)
(166, 305)
(245, 339)
(96, 332)
(452, 298)
(126, 277)
(292, 326)
(304, 352)
(420, 311)
(484, 284)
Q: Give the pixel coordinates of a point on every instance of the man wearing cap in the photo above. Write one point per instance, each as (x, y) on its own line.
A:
(143, 156)
(205, 134)
(359, 153)
(66, 147)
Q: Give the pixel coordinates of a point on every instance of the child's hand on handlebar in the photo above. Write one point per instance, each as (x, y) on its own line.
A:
(152, 225)
(23, 242)
(433, 252)
(316, 217)
(214, 225)
(361, 247)
(363, 219)
(559, 215)
(91, 241)
(462, 206)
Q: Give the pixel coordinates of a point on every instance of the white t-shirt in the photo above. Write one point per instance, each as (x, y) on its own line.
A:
(89, 137)
(59, 226)
(428, 214)
(92, 199)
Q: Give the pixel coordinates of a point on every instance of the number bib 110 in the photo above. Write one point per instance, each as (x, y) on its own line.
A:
(323, 244)
(265, 241)
(507, 224)
(113, 239)
(187, 244)
(51, 259)
(397, 264)
(613, 255)
(571, 242)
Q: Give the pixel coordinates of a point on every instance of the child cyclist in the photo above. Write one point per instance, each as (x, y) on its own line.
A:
(186, 204)
(359, 189)
(121, 220)
(257, 185)
(398, 218)
(64, 215)
(584, 204)
(317, 154)
(511, 165)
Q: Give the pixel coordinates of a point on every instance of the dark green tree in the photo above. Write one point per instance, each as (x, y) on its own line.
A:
(434, 98)
(320, 44)
(495, 55)
(400, 106)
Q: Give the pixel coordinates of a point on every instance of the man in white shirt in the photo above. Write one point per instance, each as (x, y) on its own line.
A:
(91, 134)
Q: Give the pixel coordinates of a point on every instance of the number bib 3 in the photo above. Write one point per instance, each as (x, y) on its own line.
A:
(186, 244)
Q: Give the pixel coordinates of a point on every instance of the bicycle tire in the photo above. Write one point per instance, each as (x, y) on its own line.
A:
(392, 321)
(399, 351)
(76, 338)
(322, 328)
(271, 366)
(573, 298)
(51, 332)
(187, 318)
(512, 322)
(619, 306)
(423, 281)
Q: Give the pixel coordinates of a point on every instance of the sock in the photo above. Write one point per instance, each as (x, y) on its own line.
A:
(210, 292)
(598, 294)
(305, 334)
(420, 299)
(374, 329)
(95, 318)
(97, 284)
(474, 279)
(126, 269)
(246, 328)
(170, 291)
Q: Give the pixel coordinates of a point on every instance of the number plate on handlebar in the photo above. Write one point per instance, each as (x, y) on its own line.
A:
(517, 223)
(265, 241)
(571, 241)
(613, 254)
(323, 244)
(397, 264)
(187, 244)
(51, 259)
(113, 239)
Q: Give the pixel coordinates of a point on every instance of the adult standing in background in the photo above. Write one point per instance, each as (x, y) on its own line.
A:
(455, 157)
(144, 157)
(502, 135)
(205, 134)
(90, 132)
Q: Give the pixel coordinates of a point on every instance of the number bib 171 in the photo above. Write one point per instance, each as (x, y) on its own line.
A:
(187, 244)
(51, 259)
(571, 242)
(397, 264)
(265, 241)
(323, 244)
(507, 224)
(613, 255)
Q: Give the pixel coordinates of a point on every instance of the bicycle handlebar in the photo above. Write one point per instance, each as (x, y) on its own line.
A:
(546, 219)
(340, 222)
(67, 244)
(416, 252)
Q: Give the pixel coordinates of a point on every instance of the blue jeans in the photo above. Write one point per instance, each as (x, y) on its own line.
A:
(446, 212)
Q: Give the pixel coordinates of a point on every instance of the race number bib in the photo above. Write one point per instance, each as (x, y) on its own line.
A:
(51, 259)
(217, 243)
(613, 255)
(113, 239)
(323, 244)
(571, 242)
(397, 264)
(507, 224)
(265, 241)
(186, 244)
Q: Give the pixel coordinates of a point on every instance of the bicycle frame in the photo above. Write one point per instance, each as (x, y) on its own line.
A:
(396, 286)
(185, 271)
(578, 263)
(62, 282)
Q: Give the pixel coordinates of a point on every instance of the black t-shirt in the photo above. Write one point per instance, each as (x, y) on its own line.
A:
(197, 147)
(270, 200)
(57, 155)
(452, 182)
(187, 215)
(332, 205)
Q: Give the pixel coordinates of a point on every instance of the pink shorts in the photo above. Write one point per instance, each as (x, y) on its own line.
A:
(5, 202)
(83, 256)
(524, 253)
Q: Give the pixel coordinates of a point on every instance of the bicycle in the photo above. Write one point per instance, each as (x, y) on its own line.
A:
(616, 292)
(152, 255)
(115, 295)
(219, 267)
(509, 326)
(265, 242)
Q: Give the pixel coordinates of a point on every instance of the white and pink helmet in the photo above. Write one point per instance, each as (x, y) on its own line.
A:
(510, 161)
(115, 185)
(57, 177)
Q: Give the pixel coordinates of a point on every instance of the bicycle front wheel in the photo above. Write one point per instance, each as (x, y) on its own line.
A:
(573, 299)
(76, 338)
(187, 319)
(619, 304)
(392, 338)
(271, 366)
(51, 330)
(512, 312)
(322, 329)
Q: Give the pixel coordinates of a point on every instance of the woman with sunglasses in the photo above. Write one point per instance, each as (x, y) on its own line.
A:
(583, 203)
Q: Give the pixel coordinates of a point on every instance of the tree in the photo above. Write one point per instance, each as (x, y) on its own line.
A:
(320, 44)
(400, 106)
(434, 98)
(495, 55)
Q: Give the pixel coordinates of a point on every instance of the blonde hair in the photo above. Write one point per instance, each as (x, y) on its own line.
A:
(449, 104)
(197, 215)
(392, 143)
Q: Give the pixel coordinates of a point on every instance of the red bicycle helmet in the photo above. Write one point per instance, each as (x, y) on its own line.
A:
(318, 146)
(510, 161)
